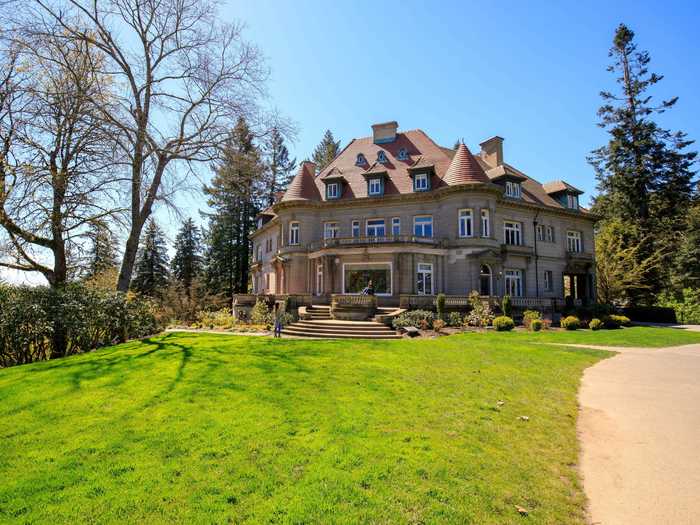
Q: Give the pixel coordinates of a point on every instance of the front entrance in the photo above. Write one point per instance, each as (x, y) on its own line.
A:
(575, 285)
(319, 279)
(485, 280)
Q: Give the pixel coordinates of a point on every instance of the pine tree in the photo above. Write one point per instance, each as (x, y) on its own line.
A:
(151, 276)
(187, 262)
(103, 249)
(687, 258)
(279, 166)
(236, 194)
(326, 151)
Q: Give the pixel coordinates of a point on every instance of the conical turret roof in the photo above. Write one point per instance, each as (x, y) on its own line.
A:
(303, 186)
(464, 169)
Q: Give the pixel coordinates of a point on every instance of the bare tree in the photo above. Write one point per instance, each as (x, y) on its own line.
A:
(55, 159)
(182, 79)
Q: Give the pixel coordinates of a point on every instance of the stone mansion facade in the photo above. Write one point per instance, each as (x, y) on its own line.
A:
(420, 219)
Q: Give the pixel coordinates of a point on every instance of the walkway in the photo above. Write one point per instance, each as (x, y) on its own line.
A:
(640, 435)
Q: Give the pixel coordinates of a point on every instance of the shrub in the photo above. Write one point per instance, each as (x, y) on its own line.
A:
(454, 319)
(417, 318)
(536, 325)
(218, 319)
(507, 306)
(671, 310)
(623, 320)
(529, 316)
(503, 323)
(440, 306)
(480, 314)
(616, 321)
(438, 325)
(570, 323)
(595, 324)
(261, 314)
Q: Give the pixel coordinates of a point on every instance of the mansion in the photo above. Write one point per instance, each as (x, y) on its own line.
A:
(417, 218)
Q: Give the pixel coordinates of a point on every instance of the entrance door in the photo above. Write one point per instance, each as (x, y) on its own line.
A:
(485, 280)
(319, 279)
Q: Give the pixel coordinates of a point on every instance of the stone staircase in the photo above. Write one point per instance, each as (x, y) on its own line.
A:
(318, 323)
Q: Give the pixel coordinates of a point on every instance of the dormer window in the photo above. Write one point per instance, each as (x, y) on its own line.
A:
(375, 186)
(360, 160)
(381, 157)
(421, 182)
(333, 190)
(572, 201)
(512, 189)
(403, 154)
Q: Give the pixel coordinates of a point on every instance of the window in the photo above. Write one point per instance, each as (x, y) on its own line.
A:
(514, 282)
(549, 231)
(548, 281)
(356, 276)
(485, 280)
(511, 233)
(465, 223)
(573, 242)
(424, 279)
(420, 182)
(375, 186)
(355, 228)
(375, 228)
(485, 226)
(293, 233)
(396, 226)
(540, 232)
(258, 253)
(330, 230)
(360, 160)
(423, 226)
(572, 201)
(333, 190)
(403, 154)
(381, 157)
(513, 189)
(319, 279)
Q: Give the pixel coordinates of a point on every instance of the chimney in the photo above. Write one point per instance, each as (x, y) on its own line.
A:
(384, 132)
(492, 151)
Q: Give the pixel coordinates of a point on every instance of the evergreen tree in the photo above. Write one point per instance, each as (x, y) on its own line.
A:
(103, 249)
(151, 276)
(187, 262)
(326, 151)
(236, 194)
(279, 166)
(687, 258)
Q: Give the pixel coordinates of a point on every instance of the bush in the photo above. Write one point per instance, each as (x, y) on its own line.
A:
(438, 325)
(38, 323)
(616, 321)
(536, 325)
(440, 306)
(480, 314)
(529, 316)
(418, 318)
(595, 324)
(219, 319)
(503, 323)
(507, 306)
(454, 319)
(570, 323)
(261, 314)
(623, 320)
(670, 310)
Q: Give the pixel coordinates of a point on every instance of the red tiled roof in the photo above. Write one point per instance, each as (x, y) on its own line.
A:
(464, 169)
(303, 186)
(559, 185)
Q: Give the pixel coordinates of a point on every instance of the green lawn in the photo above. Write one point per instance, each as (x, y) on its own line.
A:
(195, 428)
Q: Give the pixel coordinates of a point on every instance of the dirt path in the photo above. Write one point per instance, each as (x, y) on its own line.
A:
(640, 435)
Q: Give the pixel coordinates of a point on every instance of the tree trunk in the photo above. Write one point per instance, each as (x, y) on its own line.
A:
(127, 267)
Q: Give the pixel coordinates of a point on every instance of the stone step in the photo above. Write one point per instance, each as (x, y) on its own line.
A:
(340, 322)
(335, 327)
(338, 335)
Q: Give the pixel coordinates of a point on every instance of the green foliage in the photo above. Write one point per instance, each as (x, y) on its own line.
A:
(102, 249)
(595, 324)
(88, 318)
(279, 167)
(326, 151)
(529, 316)
(418, 318)
(570, 323)
(261, 314)
(187, 262)
(507, 306)
(454, 319)
(480, 314)
(536, 325)
(151, 270)
(440, 305)
(219, 319)
(686, 308)
(503, 323)
(438, 325)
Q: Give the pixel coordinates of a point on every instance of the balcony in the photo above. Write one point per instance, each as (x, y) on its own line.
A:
(343, 242)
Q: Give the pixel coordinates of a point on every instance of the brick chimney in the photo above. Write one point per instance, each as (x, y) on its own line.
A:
(492, 151)
(384, 132)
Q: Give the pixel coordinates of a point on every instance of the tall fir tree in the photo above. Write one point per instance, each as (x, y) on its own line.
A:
(103, 249)
(645, 172)
(151, 271)
(236, 193)
(187, 262)
(687, 257)
(279, 166)
(326, 151)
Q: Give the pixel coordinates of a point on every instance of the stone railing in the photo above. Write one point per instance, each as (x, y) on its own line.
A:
(531, 302)
(368, 301)
(335, 242)
(353, 307)
(460, 302)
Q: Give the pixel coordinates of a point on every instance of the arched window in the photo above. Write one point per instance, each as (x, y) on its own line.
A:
(360, 160)
(403, 154)
(485, 280)
(381, 157)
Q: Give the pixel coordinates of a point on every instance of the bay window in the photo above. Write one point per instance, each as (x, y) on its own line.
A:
(293, 233)
(466, 225)
(485, 224)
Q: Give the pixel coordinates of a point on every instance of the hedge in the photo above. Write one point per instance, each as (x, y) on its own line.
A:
(651, 314)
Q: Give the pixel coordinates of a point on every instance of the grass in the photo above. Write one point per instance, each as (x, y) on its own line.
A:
(197, 428)
(640, 336)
